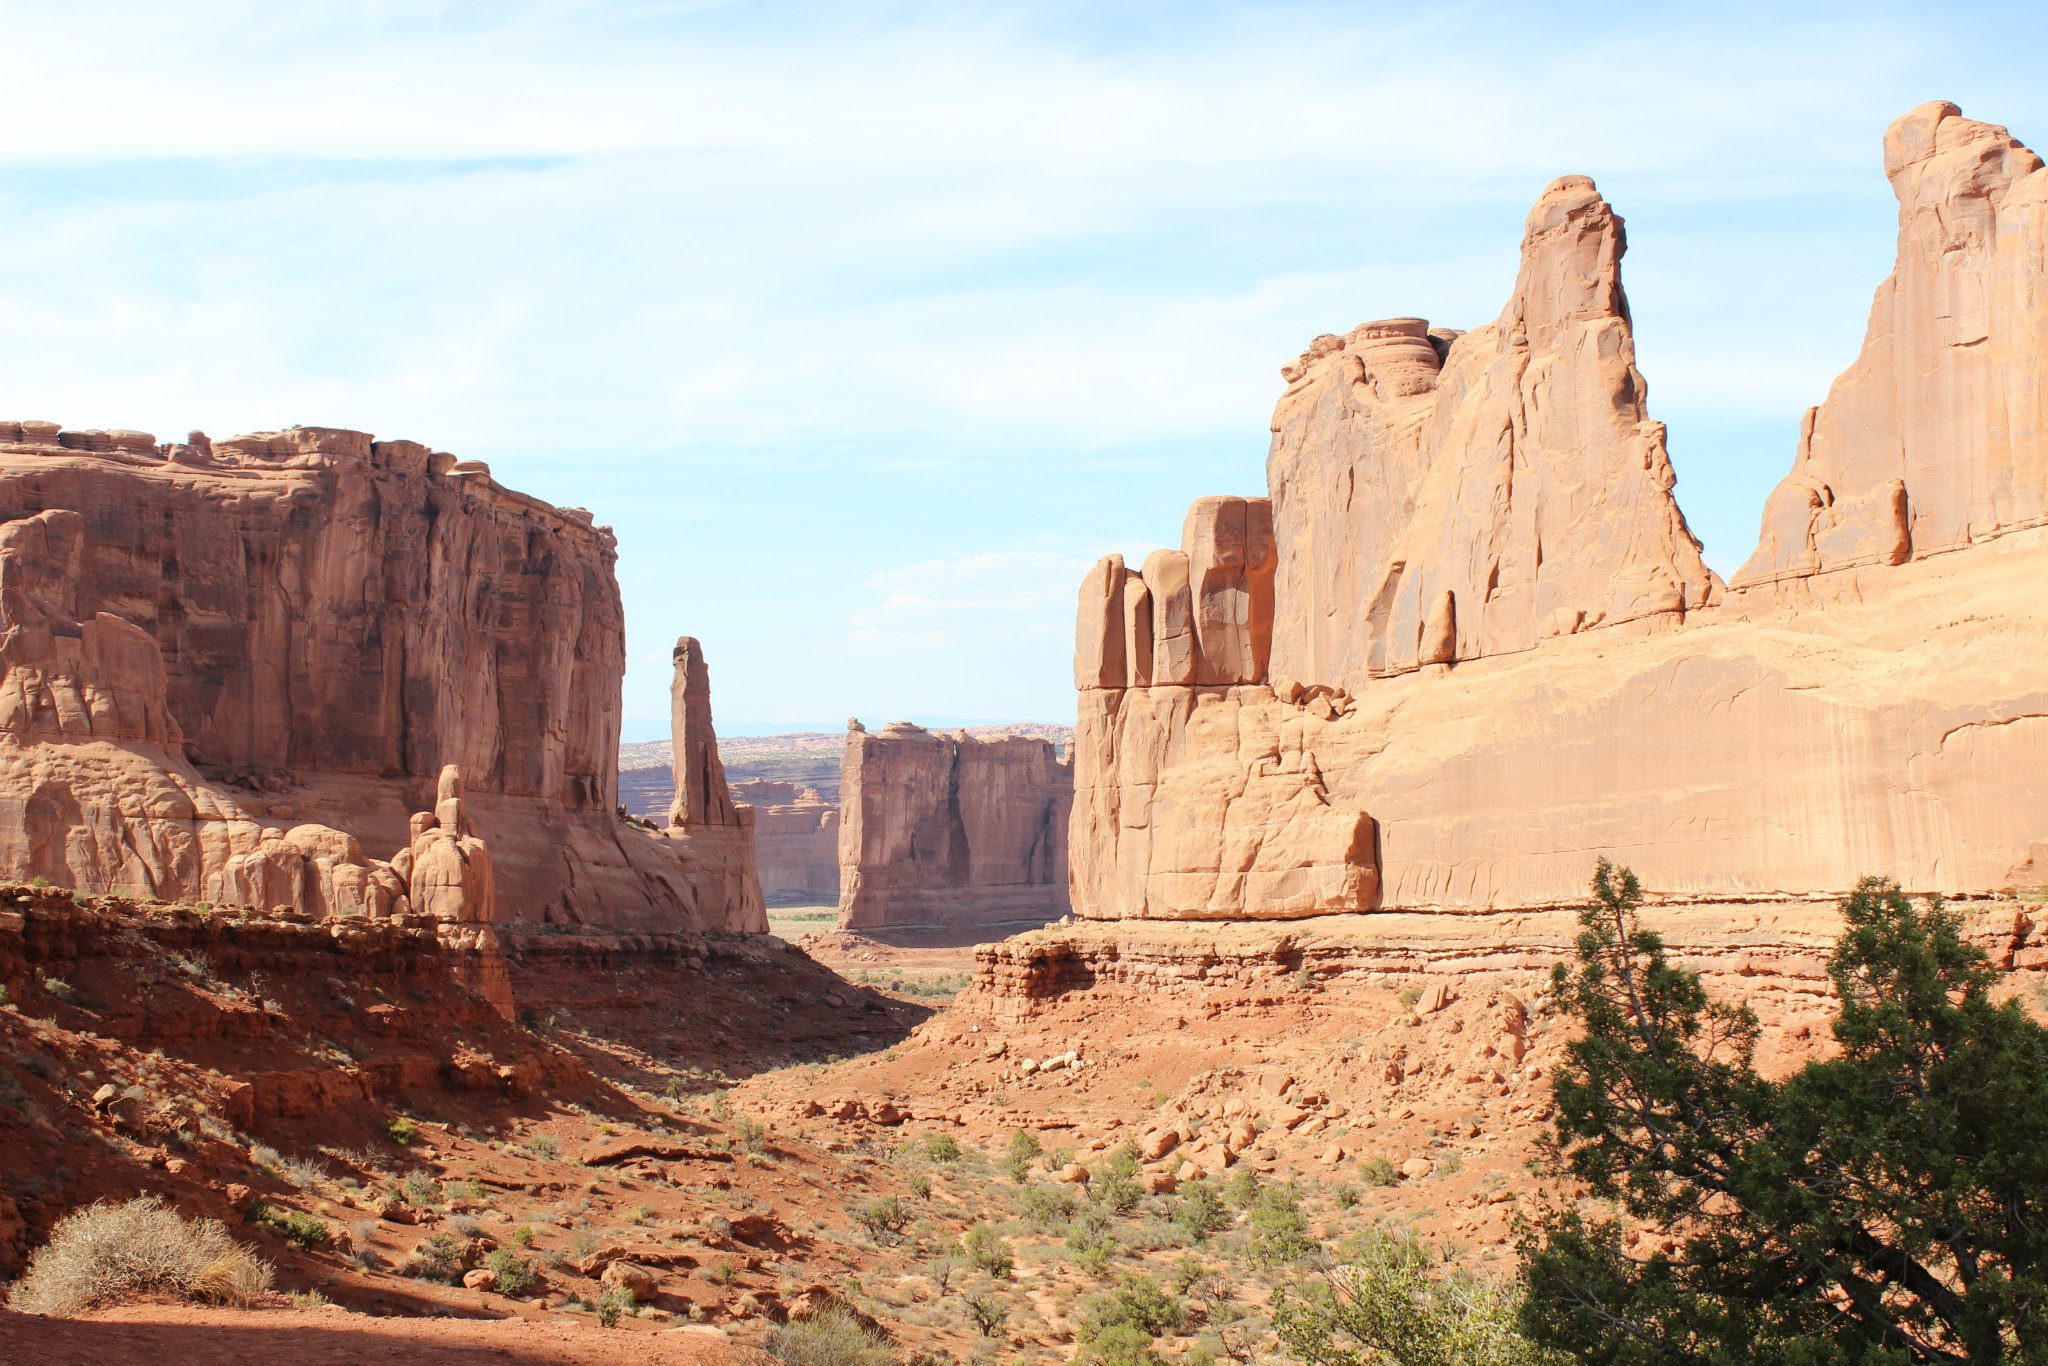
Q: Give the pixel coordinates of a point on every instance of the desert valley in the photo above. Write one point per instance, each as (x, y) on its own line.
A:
(335, 911)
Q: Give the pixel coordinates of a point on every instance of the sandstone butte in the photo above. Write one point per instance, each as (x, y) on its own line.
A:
(951, 831)
(310, 670)
(1468, 644)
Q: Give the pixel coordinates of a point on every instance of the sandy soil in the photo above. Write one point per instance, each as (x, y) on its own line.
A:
(233, 1337)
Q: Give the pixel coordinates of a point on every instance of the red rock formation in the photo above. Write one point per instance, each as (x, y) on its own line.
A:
(220, 658)
(1937, 437)
(796, 841)
(712, 834)
(1450, 719)
(944, 830)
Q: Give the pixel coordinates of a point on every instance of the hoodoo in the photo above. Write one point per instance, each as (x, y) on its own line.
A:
(1469, 644)
(234, 670)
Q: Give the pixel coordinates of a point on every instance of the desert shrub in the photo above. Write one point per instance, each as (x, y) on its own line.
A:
(1092, 1241)
(987, 1313)
(751, 1132)
(1409, 996)
(1242, 1189)
(1198, 1211)
(919, 1185)
(1346, 1195)
(611, 1306)
(942, 1271)
(420, 1189)
(1377, 1172)
(887, 1215)
(1137, 1302)
(1276, 1231)
(1024, 1149)
(106, 1253)
(987, 1250)
(59, 988)
(438, 1257)
(941, 1147)
(1388, 1301)
(523, 1235)
(544, 1146)
(304, 1229)
(1047, 1208)
(1121, 1345)
(832, 1337)
(1117, 1187)
(402, 1131)
(515, 1274)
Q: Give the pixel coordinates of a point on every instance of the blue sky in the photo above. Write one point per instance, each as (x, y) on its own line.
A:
(868, 327)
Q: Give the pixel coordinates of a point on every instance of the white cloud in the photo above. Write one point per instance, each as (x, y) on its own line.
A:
(994, 595)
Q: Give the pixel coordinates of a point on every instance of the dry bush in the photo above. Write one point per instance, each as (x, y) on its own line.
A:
(108, 1253)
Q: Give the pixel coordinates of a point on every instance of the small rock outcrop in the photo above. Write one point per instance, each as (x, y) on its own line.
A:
(948, 831)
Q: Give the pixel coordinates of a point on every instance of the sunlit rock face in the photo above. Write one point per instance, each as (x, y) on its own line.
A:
(1468, 645)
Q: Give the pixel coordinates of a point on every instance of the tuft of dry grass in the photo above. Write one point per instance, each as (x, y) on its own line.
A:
(107, 1253)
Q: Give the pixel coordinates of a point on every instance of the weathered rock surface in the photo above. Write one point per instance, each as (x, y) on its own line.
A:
(233, 671)
(796, 841)
(1937, 437)
(711, 833)
(946, 830)
(1495, 654)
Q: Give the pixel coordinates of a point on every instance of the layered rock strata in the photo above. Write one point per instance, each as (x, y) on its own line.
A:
(1487, 652)
(231, 669)
(950, 831)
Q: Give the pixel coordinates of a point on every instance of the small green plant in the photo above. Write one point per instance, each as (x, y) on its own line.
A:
(438, 1257)
(920, 1185)
(942, 1271)
(941, 1147)
(752, 1133)
(1450, 1164)
(1377, 1172)
(523, 1235)
(1241, 1191)
(611, 1306)
(886, 1216)
(39, 882)
(544, 1146)
(1346, 1195)
(987, 1250)
(1117, 1187)
(304, 1229)
(515, 1274)
(727, 1271)
(58, 988)
(1024, 1149)
(1276, 1228)
(5, 999)
(1198, 1212)
(1047, 1208)
(1409, 996)
(421, 1190)
(402, 1131)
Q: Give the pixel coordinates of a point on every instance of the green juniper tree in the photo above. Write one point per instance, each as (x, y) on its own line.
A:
(1887, 1204)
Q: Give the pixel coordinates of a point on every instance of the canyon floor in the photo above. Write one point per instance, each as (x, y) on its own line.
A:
(747, 1131)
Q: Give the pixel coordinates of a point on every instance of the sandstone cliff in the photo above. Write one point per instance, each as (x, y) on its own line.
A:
(951, 831)
(1937, 437)
(233, 668)
(1494, 653)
